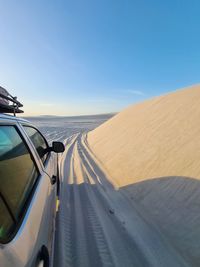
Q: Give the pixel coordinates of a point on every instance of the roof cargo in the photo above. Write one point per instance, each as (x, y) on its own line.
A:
(8, 103)
(5, 93)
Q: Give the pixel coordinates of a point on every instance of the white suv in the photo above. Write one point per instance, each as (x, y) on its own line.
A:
(28, 192)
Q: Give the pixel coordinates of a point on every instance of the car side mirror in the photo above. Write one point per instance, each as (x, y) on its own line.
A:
(57, 147)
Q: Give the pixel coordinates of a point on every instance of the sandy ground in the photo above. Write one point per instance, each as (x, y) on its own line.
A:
(151, 153)
(58, 128)
(97, 224)
(130, 192)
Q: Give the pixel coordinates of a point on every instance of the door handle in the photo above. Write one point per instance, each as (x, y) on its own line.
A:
(53, 179)
(43, 258)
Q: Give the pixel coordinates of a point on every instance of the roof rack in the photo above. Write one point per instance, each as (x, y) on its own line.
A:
(8, 103)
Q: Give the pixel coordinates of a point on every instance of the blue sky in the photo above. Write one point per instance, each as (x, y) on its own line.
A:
(88, 57)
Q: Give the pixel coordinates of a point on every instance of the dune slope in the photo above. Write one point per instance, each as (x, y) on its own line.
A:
(151, 152)
(97, 225)
(159, 137)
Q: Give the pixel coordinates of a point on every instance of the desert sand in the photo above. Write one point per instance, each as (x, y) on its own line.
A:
(152, 154)
(130, 189)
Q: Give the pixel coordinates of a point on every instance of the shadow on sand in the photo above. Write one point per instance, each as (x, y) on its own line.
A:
(172, 204)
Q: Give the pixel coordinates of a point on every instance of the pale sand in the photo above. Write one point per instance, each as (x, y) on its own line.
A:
(97, 225)
(151, 153)
(130, 190)
(159, 137)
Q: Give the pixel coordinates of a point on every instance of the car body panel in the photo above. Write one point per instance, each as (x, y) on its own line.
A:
(37, 227)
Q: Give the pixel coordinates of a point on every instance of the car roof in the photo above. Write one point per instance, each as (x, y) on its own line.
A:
(11, 117)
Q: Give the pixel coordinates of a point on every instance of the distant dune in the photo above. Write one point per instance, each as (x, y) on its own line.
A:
(151, 152)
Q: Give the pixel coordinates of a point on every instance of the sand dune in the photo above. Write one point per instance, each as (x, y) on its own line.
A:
(151, 153)
(97, 225)
(159, 137)
(130, 189)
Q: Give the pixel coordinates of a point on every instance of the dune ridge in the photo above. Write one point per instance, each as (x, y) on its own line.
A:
(151, 152)
(159, 137)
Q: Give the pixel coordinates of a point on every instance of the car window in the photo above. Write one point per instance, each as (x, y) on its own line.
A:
(7, 222)
(38, 141)
(18, 175)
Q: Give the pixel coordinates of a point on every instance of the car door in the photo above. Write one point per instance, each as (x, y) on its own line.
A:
(48, 161)
(25, 193)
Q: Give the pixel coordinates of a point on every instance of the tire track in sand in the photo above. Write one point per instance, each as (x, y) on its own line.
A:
(96, 225)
